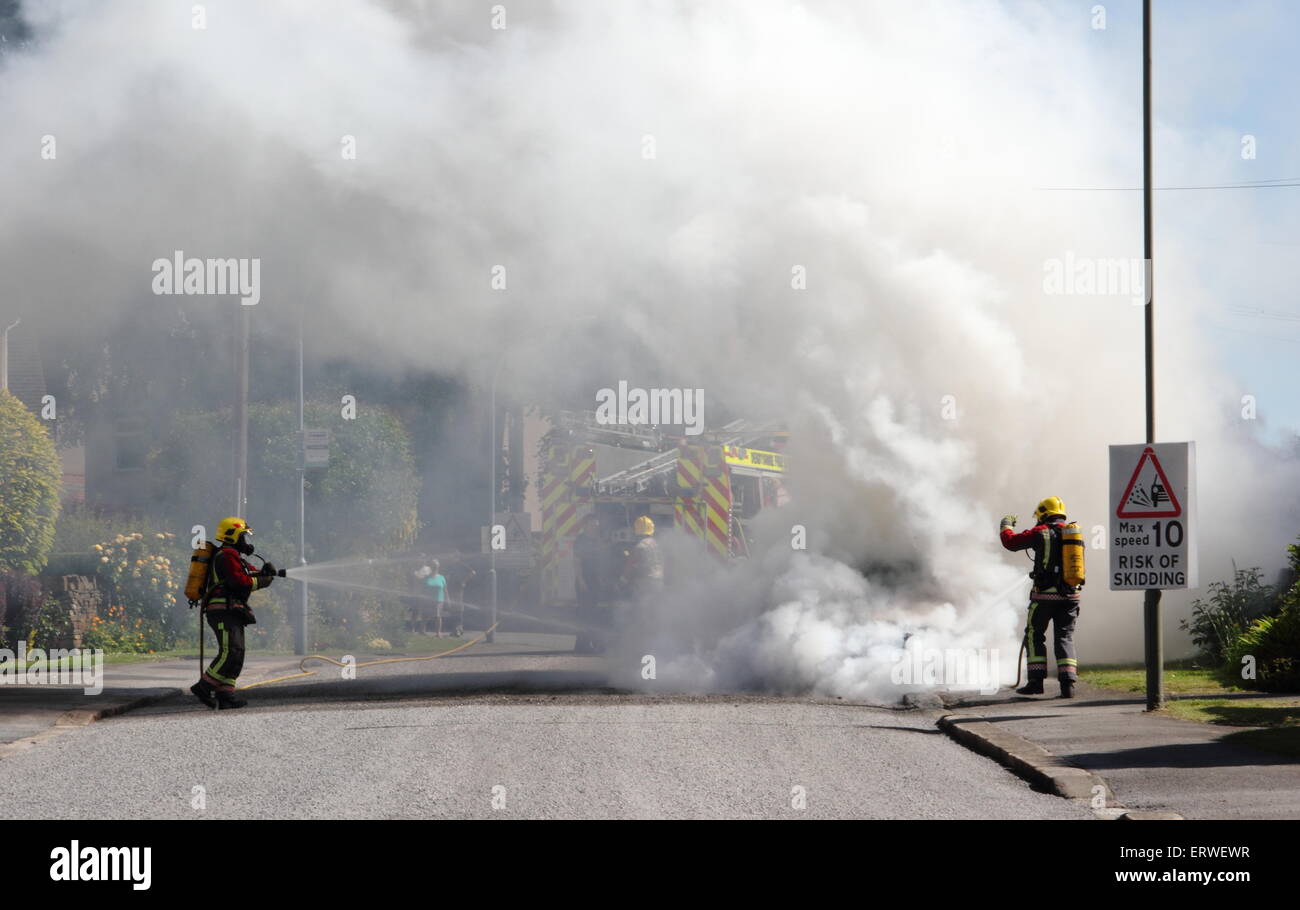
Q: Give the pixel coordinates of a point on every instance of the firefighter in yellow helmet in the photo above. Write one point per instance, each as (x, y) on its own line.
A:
(231, 582)
(643, 571)
(1050, 600)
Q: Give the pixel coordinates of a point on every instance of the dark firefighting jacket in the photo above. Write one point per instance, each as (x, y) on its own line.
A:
(233, 580)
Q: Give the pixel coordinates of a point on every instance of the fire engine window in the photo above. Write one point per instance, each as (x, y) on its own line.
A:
(745, 495)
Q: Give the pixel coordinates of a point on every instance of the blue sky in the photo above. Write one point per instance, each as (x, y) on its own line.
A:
(1222, 70)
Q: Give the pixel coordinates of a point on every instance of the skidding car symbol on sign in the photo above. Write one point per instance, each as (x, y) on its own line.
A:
(1148, 494)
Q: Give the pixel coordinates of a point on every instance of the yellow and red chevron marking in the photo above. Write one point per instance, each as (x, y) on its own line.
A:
(688, 506)
(583, 473)
(552, 488)
(566, 521)
(566, 485)
(716, 495)
(687, 515)
(689, 460)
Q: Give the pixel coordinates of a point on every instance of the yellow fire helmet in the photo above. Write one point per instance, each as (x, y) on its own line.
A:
(643, 527)
(1050, 506)
(229, 529)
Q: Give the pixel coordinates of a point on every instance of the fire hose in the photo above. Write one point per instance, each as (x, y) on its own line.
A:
(302, 665)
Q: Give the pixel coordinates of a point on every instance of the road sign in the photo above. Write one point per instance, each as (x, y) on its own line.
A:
(518, 550)
(315, 449)
(1153, 517)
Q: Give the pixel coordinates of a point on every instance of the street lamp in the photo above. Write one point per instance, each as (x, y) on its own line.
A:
(300, 627)
(4, 355)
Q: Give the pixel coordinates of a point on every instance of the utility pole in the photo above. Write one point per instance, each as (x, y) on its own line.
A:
(300, 625)
(241, 415)
(1153, 634)
(4, 355)
(495, 456)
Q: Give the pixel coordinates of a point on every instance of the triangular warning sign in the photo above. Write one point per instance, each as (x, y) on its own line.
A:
(1148, 494)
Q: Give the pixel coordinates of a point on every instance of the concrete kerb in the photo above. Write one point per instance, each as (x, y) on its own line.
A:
(83, 716)
(118, 704)
(1032, 763)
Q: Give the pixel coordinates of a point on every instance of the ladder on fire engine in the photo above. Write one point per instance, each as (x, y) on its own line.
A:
(584, 426)
(640, 477)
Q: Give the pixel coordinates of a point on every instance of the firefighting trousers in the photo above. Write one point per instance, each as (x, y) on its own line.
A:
(229, 662)
(1062, 614)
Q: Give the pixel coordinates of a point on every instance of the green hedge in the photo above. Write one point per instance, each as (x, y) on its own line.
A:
(29, 494)
(1273, 642)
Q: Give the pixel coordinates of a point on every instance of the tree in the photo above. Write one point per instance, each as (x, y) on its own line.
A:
(30, 477)
(363, 503)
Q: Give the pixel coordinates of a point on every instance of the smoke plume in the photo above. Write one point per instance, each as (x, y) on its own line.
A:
(828, 213)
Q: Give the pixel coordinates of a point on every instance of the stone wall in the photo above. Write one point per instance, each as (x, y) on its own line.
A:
(76, 598)
(79, 598)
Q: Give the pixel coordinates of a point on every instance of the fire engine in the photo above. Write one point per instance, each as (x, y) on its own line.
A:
(709, 487)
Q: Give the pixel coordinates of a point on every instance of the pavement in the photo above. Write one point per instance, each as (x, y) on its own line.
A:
(1150, 765)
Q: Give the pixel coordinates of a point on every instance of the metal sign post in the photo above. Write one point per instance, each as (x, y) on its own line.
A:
(1153, 634)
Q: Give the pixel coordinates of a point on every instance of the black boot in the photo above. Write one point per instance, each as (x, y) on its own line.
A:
(227, 700)
(203, 691)
(1033, 687)
(1067, 687)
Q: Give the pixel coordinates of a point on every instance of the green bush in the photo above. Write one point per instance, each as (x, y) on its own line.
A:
(117, 633)
(50, 625)
(1274, 643)
(80, 527)
(143, 580)
(1229, 611)
(29, 494)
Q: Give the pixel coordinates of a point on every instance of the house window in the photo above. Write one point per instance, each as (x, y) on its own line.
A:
(130, 444)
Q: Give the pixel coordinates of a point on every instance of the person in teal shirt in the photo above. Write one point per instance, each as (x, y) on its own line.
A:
(438, 583)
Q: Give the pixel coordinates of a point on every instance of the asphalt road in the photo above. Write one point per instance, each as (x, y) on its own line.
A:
(549, 742)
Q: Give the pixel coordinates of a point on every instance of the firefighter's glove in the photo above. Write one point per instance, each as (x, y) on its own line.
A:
(1008, 521)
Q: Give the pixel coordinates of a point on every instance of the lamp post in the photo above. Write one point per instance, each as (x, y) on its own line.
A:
(300, 626)
(241, 414)
(4, 355)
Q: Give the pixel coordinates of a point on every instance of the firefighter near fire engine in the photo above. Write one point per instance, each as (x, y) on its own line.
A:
(643, 572)
(220, 581)
(1058, 575)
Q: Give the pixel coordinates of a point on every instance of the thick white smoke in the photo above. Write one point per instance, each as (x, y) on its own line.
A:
(652, 176)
